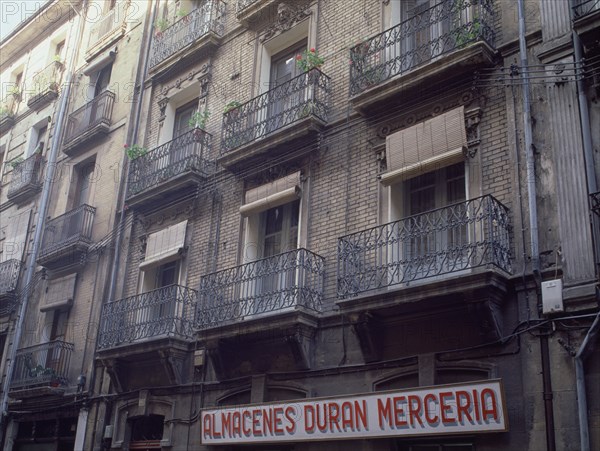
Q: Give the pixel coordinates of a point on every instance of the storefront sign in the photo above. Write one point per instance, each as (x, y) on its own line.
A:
(443, 409)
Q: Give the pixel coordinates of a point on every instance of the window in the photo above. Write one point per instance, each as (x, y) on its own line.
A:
(102, 80)
(58, 50)
(38, 139)
(279, 231)
(146, 432)
(84, 175)
(183, 117)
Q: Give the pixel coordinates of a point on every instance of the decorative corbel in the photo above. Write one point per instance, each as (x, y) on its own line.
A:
(472, 121)
(162, 105)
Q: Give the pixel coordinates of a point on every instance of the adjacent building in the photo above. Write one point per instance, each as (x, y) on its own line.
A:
(334, 225)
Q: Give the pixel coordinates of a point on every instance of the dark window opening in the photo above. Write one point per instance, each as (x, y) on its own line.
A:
(148, 428)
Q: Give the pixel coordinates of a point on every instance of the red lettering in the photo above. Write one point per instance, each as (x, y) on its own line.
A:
(476, 406)
(277, 421)
(399, 417)
(226, 423)
(206, 426)
(267, 421)
(429, 398)
(290, 413)
(384, 411)
(445, 408)
(463, 407)
(247, 431)
(321, 417)
(334, 415)
(493, 405)
(309, 420)
(361, 413)
(215, 434)
(347, 417)
(414, 409)
(256, 422)
(237, 424)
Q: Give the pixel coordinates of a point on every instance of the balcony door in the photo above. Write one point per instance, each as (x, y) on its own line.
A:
(438, 240)
(284, 98)
(75, 224)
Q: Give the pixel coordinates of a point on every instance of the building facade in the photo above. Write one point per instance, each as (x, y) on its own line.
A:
(335, 225)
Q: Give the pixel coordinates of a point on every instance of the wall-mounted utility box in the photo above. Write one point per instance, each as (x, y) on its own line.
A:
(552, 296)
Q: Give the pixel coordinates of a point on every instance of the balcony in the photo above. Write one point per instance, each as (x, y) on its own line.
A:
(26, 179)
(249, 11)
(198, 32)
(295, 109)
(67, 238)
(267, 288)
(8, 107)
(41, 370)
(46, 84)
(582, 8)
(430, 247)
(107, 29)
(170, 168)
(9, 277)
(449, 40)
(91, 121)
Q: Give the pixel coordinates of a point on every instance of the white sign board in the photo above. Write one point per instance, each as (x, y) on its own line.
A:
(442, 409)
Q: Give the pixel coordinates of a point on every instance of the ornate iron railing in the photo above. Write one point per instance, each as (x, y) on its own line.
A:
(208, 17)
(268, 286)
(47, 79)
(595, 202)
(188, 152)
(96, 112)
(26, 174)
(424, 36)
(167, 311)
(443, 241)
(243, 4)
(585, 7)
(302, 96)
(107, 24)
(9, 276)
(70, 228)
(46, 364)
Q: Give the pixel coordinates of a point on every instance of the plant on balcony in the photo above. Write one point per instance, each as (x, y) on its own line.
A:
(183, 14)
(309, 59)
(5, 111)
(199, 119)
(233, 105)
(135, 151)
(15, 92)
(467, 34)
(161, 25)
(307, 109)
(16, 162)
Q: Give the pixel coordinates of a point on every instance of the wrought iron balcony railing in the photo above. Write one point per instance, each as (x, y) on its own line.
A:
(447, 240)
(208, 17)
(425, 35)
(94, 113)
(26, 174)
(595, 202)
(108, 24)
(73, 227)
(269, 286)
(302, 96)
(45, 81)
(9, 276)
(164, 312)
(188, 152)
(585, 7)
(46, 364)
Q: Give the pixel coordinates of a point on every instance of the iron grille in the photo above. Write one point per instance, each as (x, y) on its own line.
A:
(188, 152)
(48, 79)
(269, 286)
(424, 36)
(302, 96)
(585, 7)
(164, 312)
(595, 202)
(25, 174)
(208, 17)
(46, 364)
(9, 276)
(94, 113)
(70, 228)
(443, 241)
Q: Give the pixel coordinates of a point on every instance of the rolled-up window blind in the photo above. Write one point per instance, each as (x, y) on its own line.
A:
(164, 245)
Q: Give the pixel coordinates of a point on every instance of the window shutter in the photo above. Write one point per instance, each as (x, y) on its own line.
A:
(426, 146)
(59, 293)
(165, 245)
(274, 194)
(16, 237)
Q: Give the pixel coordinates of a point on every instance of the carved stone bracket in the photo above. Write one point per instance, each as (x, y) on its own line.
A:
(162, 105)
(287, 17)
(173, 361)
(472, 121)
(368, 330)
(111, 366)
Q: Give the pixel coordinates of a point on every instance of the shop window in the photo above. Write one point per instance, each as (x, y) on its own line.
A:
(146, 432)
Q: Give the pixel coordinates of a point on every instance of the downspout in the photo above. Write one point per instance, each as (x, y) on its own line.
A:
(533, 226)
(41, 219)
(584, 351)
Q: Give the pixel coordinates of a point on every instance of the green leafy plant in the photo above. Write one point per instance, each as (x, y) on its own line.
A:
(16, 162)
(309, 59)
(14, 91)
(199, 119)
(231, 106)
(57, 59)
(181, 13)
(135, 151)
(161, 25)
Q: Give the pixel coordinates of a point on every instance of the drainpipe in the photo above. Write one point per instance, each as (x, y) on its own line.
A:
(584, 351)
(41, 219)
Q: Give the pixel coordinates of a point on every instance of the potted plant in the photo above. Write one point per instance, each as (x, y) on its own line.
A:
(309, 60)
(15, 92)
(468, 34)
(182, 14)
(135, 151)
(232, 108)
(307, 109)
(161, 25)
(199, 119)
(16, 162)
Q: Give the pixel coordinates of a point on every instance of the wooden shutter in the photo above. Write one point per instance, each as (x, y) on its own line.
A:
(16, 237)
(165, 245)
(59, 293)
(426, 146)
